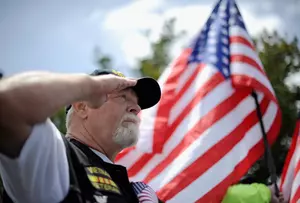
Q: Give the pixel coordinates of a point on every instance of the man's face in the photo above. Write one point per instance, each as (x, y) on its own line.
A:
(116, 119)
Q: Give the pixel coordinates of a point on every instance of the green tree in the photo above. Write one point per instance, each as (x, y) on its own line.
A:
(59, 119)
(154, 64)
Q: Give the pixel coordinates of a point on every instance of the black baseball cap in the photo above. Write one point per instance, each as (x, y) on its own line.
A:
(147, 89)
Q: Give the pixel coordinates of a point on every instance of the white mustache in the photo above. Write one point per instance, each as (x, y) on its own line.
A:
(131, 117)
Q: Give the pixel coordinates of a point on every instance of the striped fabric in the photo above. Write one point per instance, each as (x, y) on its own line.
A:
(204, 134)
(290, 178)
(144, 193)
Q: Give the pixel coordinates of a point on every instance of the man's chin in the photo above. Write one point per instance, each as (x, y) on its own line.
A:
(126, 136)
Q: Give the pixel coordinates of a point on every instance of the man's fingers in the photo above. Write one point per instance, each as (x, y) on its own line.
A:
(130, 82)
(125, 83)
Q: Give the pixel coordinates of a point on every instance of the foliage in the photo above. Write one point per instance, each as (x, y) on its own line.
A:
(154, 64)
(59, 119)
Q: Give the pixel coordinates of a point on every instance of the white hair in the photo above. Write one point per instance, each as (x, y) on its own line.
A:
(127, 136)
(69, 117)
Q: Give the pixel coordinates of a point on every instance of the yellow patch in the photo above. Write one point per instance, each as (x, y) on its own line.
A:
(101, 180)
(118, 73)
(98, 171)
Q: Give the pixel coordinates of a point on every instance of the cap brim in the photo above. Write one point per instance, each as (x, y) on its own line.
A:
(148, 92)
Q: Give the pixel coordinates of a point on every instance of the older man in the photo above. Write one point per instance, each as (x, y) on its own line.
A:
(38, 165)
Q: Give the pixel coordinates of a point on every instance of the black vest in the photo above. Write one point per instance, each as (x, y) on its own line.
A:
(92, 180)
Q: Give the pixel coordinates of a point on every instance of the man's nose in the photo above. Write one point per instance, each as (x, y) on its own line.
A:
(134, 108)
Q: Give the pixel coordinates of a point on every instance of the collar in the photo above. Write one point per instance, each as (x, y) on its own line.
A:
(102, 156)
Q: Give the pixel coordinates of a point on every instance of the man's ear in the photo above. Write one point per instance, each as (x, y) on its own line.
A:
(81, 109)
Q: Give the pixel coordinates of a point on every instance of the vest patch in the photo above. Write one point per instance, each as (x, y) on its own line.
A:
(101, 180)
(100, 199)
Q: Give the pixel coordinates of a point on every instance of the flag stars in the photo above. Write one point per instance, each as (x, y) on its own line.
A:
(212, 41)
(225, 71)
(223, 22)
(223, 14)
(225, 60)
(214, 26)
(212, 49)
(213, 58)
(232, 21)
(199, 57)
(225, 40)
(225, 50)
(233, 11)
(212, 33)
(223, 6)
(224, 31)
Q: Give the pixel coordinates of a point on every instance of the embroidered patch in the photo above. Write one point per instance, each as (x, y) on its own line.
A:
(100, 199)
(101, 180)
(118, 73)
(98, 171)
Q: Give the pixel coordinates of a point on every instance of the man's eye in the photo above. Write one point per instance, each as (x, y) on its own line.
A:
(123, 96)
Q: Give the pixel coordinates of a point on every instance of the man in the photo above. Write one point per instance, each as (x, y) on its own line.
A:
(38, 165)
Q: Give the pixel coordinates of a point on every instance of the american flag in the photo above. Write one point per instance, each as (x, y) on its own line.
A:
(144, 193)
(204, 134)
(290, 178)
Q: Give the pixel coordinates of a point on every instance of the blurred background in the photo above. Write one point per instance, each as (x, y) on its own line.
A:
(142, 37)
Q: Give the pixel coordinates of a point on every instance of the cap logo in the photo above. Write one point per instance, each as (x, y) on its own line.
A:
(118, 73)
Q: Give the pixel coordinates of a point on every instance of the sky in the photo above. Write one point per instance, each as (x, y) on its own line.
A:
(61, 35)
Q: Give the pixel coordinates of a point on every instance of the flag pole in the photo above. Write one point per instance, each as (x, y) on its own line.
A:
(268, 153)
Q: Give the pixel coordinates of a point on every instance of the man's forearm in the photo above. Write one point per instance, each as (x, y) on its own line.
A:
(30, 98)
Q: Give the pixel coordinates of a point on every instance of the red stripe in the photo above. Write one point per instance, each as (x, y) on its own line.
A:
(124, 153)
(241, 40)
(215, 153)
(211, 84)
(253, 83)
(296, 197)
(206, 88)
(289, 155)
(242, 168)
(248, 60)
(167, 100)
(297, 168)
(139, 164)
(188, 83)
(203, 124)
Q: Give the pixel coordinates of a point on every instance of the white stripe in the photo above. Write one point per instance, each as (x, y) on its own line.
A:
(241, 49)
(226, 165)
(289, 178)
(148, 118)
(129, 159)
(205, 141)
(296, 185)
(165, 75)
(203, 76)
(208, 103)
(185, 76)
(240, 32)
(248, 70)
